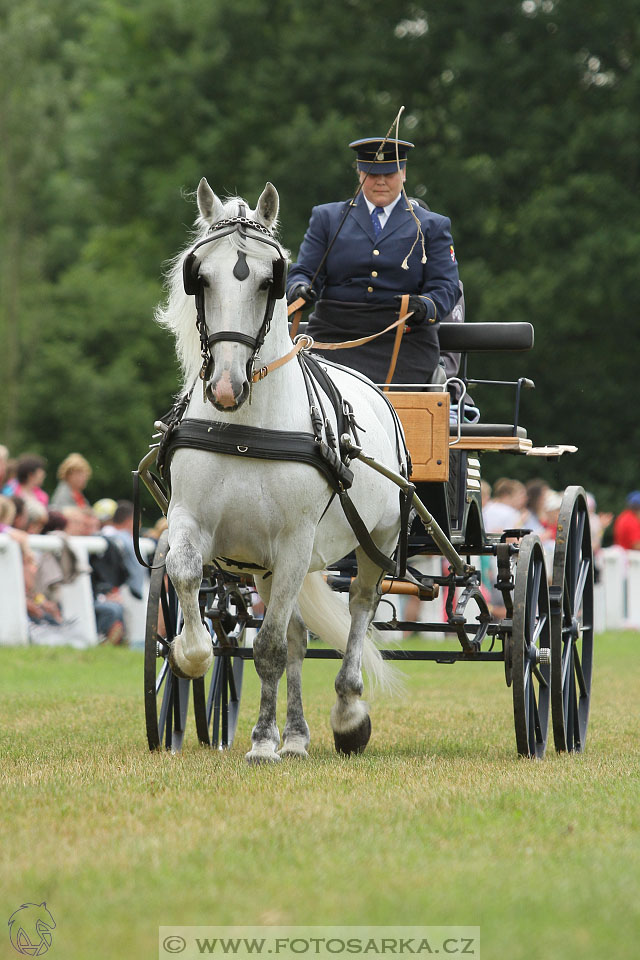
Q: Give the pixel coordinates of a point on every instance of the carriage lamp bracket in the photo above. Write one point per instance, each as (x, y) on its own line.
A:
(522, 383)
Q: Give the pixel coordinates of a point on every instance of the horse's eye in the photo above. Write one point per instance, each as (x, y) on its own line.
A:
(266, 283)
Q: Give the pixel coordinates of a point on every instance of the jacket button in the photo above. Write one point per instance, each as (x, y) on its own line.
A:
(374, 273)
(376, 253)
(369, 289)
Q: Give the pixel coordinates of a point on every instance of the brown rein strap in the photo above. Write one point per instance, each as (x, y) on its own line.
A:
(295, 308)
(347, 344)
(404, 304)
(306, 343)
(303, 343)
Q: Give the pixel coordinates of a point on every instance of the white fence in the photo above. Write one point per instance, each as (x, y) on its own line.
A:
(617, 594)
(76, 598)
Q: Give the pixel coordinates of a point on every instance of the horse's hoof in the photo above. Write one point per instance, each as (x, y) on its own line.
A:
(293, 754)
(185, 668)
(256, 757)
(298, 753)
(355, 740)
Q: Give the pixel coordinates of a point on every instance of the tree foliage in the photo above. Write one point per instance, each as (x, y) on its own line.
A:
(525, 119)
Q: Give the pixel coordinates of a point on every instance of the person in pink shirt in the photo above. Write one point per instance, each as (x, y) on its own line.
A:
(626, 528)
(30, 474)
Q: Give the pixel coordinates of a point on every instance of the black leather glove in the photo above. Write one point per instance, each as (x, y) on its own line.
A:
(302, 290)
(419, 308)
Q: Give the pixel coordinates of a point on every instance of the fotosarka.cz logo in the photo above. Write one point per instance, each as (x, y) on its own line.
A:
(30, 929)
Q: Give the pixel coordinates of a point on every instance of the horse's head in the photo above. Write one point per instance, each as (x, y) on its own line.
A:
(236, 272)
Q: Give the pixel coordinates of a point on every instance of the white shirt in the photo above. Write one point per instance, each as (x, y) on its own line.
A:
(500, 516)
(386, 211)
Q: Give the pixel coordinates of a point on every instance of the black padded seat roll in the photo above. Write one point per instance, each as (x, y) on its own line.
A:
(479, 337)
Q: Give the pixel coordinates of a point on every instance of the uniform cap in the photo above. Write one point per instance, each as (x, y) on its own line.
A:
(373, 157)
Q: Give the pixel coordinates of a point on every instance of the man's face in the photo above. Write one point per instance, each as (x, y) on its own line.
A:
(382, 189)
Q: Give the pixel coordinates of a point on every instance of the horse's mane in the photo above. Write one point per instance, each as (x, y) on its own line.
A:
(178, 312)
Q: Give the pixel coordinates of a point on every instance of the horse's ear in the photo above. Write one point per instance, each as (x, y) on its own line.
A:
(209, 205)
(268, 205)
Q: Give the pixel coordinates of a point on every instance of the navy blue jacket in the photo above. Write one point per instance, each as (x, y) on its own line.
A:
(369, 271)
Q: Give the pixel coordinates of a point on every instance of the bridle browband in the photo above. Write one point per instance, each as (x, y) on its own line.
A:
(194, 286)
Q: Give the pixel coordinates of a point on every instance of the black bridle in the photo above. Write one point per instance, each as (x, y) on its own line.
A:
(194, 286)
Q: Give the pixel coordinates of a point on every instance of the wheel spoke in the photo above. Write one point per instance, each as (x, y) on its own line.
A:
(569, 706)
(566, 661)
(541, 680)
(536, 718)
(577, 666)
(576, 737)
(233, 695)
(585, 567)
(539, 627)
(168, 614)
(567, 597)
(162, 676)
(177, 693)
(166, 711)
(577, 546)
(225, 703)
(532, 601)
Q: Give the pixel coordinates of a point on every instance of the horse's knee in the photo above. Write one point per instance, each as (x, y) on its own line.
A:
(269, 655)
(184, 564)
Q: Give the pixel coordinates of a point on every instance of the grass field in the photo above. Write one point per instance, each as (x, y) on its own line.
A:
(438, 823)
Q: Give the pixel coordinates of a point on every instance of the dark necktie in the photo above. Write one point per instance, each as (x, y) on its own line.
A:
(375, 220)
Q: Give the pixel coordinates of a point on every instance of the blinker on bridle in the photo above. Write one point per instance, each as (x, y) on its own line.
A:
(193, 286)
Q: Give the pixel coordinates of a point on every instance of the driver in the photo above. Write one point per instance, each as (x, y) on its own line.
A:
(387, 246)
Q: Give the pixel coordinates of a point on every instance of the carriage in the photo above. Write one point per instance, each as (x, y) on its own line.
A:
(543, 633)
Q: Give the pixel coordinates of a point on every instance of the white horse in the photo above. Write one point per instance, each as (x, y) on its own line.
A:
(264, 512)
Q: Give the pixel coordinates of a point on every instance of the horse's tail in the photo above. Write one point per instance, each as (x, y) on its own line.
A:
(326, 615)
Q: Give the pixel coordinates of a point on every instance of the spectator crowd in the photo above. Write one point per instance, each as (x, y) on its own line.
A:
(26, 509)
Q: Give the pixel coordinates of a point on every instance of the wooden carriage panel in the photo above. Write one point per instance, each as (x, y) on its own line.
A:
(425, 418)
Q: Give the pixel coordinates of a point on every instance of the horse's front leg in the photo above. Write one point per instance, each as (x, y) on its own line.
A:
(270, 653)
(191, 651)
(296, 730)
(350, 719)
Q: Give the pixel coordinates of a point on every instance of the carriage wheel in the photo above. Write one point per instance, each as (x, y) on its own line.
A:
(166, 697)
(572, 623)
(217, 715)
(223, 703)
(530, 649)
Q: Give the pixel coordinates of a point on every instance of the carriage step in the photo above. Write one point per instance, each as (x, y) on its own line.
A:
(543, 656)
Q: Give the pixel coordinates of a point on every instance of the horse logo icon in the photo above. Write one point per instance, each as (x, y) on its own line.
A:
(30, 929)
